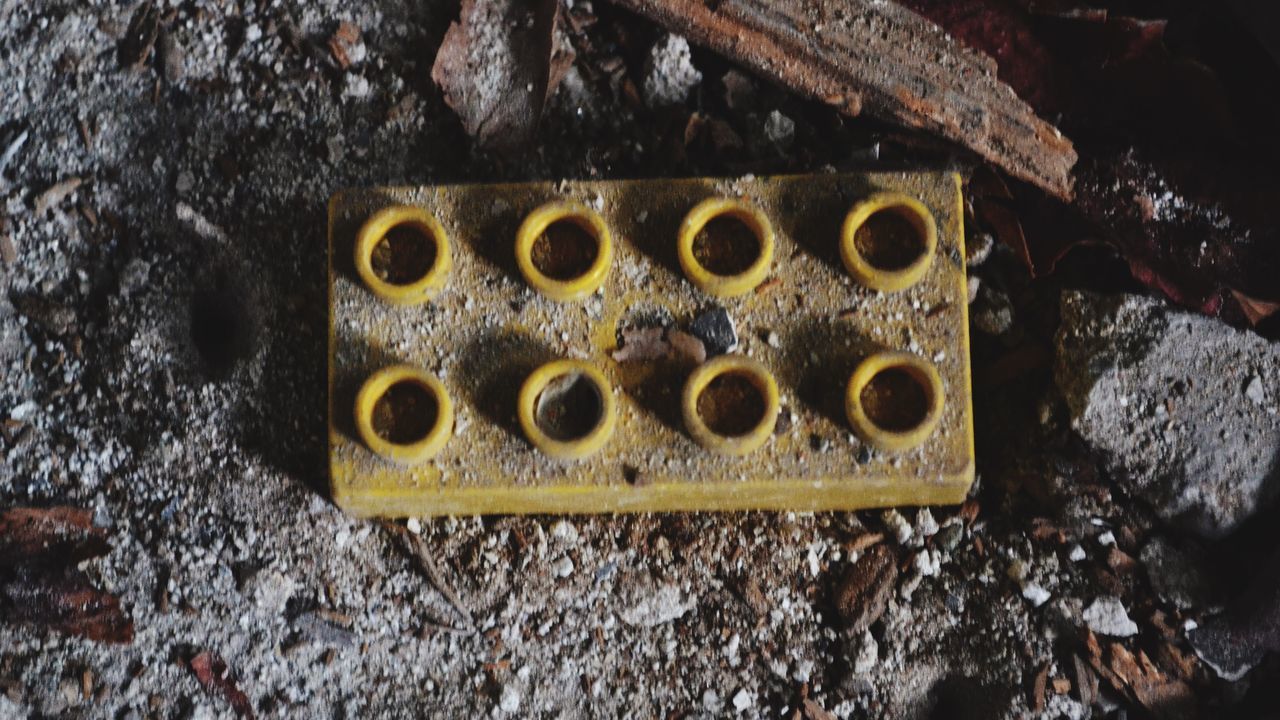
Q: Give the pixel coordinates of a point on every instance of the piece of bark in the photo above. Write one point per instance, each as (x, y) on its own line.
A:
(498, 65)
(864, 594)
(39, 582)
(882, 59)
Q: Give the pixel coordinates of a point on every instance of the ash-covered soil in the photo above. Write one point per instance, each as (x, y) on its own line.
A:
(162, 344)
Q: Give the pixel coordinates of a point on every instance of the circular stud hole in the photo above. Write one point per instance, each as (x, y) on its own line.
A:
(888, 241)
(725, 247)
(894, 400)
(567, 409)
(402, 255)
(563, 250)
(730, 405)
(405, 254)
(404, 414)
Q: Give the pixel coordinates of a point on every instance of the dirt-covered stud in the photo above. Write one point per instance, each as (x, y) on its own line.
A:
(404, 414)
(567, 409)
(888, 241)
(564, 250)
(730, 405)
(725, 246)
(402, 255)
(894, 400)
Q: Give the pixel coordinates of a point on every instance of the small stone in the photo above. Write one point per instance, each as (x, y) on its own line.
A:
(1035, 594)
(928, 563)
(780, 129)
(868, 654)
(716, 330)
(926, 526)
(992, 312)
(562, 567)
(270, 590)
(669, 73)
(711, 701)
(1107, 616)
(743, 700)
(509, 701)
(414, 525)
(773, 340)
(950, 535)
(897, 525)
(564, 530)
(657, 605)
(1255, 392)
(978, 248)
(1077, 553)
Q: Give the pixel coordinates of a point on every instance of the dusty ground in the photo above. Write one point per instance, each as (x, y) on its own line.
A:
(162, 334)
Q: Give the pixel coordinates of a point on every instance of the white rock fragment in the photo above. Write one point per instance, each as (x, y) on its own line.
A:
(565, 531)
(926, 526)
(743, 699)
(897, 525)
(1107, 616)
(509, 701)
(1255, 392)
(868, 653)
(711, 701)
(664, 604)
(669, 72)
(1035, 594)
(562, 567)
(1077, 554)
(928, 563)
(780, 129)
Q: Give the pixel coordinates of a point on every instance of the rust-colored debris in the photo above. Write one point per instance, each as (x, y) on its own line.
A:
(40, 583)
(213, 674)
(880, 58)
(498, 65)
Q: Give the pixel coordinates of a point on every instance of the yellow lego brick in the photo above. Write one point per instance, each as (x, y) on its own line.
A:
(474, 328)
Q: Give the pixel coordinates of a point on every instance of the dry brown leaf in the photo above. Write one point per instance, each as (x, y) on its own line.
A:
(214, 675)
(343, 39)
(814, 711)
(56, 194)
(1255, 310)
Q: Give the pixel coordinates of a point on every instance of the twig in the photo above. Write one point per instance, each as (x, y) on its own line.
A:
(418, 550)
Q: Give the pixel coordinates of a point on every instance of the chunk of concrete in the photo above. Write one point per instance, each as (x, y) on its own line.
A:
(1167, 400)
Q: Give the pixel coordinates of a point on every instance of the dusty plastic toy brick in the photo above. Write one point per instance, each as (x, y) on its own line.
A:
(474, 331)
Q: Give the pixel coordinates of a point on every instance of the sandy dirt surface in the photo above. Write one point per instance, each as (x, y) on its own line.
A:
(162, 348)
